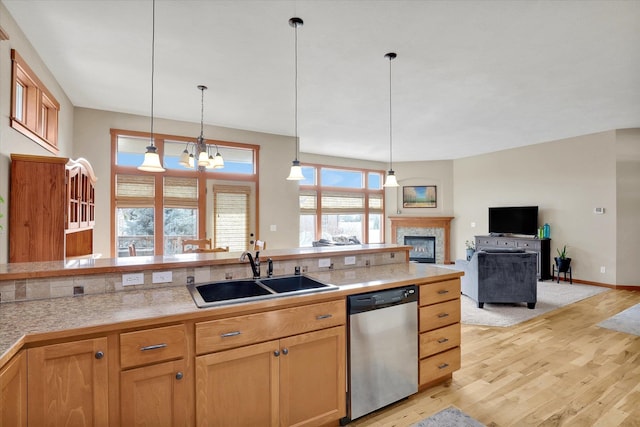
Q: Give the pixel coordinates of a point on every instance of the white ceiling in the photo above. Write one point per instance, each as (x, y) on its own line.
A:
(471, 76)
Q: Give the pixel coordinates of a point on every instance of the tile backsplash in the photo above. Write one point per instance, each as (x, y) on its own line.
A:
(68, 286)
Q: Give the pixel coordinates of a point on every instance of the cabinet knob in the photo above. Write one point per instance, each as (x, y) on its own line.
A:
(99, 355)
(179, 375)
(276, 353)
(285, 351)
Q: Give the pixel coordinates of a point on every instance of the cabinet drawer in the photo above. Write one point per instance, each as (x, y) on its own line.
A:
(505, 243)
(434, 293)
(485, 241)
(439, 340)
(439, 365)
(439, 315)
(152, 345)
(531, 245)
(222, 334)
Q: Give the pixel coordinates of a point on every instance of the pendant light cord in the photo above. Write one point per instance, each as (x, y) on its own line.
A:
(153, 60)
(296, 92)
(202, 88)
(390, 118)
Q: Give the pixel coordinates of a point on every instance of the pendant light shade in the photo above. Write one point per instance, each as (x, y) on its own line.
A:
(295, 174)
(151, 161)
(391, 180)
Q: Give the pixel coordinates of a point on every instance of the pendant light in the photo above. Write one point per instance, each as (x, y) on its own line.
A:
(391, 180)
(296, 171)
(200, 157)
(151, 161)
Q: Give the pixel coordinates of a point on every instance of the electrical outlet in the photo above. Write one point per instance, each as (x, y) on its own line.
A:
(602, 269)
(349, 260)
(324, 262)
(161, 277)
(133, 279)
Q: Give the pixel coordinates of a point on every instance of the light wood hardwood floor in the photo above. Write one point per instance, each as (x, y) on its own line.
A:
(559, 369)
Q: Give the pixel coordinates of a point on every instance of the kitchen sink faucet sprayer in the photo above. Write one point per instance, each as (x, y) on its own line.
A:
(255, 265)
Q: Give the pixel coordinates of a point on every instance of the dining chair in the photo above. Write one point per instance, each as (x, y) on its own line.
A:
(193, 245)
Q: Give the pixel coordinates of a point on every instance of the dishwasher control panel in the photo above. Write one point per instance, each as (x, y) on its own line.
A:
(376, 300)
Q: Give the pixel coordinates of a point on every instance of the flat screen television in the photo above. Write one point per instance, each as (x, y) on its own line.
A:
(514, 220)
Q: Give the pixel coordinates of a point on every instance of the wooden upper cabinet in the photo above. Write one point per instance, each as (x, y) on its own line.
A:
(51, 208)
(80, 194)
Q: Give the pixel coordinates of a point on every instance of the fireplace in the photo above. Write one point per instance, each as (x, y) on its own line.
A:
(423, 248)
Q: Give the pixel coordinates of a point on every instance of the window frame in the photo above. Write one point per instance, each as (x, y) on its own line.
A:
(365, 191)
(202, 178)
(38, 118)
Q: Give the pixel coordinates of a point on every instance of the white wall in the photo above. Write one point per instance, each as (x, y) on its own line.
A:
(438, 173)
(566, 179)
(12, 141)
(628, 206)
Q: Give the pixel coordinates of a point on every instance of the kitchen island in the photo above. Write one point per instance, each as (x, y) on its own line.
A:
(155, 340)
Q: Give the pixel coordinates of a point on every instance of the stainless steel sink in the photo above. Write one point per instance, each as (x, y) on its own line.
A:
(247, 290)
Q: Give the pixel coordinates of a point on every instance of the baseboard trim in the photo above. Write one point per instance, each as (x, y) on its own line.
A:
(602, 285)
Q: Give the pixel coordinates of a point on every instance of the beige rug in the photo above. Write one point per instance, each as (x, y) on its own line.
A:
(627, 321)
(551, 296)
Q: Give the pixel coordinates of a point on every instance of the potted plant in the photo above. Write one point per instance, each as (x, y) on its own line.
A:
(471, 248)
(562, 261)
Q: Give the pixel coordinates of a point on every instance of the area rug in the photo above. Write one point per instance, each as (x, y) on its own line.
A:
(551, 295)
(627, 321)
(450, 417)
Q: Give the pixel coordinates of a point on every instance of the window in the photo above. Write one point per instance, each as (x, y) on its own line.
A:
(34, 111)
(134, 196)
(180, 212)
(155, 212)
(340, 205)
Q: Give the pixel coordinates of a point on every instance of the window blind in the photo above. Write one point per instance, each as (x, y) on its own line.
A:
(231, 216)
(135, 190)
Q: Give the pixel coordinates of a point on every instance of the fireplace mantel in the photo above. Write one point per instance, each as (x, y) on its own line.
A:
(443, 222)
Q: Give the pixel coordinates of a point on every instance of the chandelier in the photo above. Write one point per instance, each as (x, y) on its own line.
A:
(199, 154)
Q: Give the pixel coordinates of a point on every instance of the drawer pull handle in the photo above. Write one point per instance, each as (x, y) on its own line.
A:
(99, 355)
(444, 365)
(285, 351)
(442, 315)
(276, 353)
(179, 375)
(153, 347)
(230, 334)
(443, 340)
(443, 291)
(324, 316)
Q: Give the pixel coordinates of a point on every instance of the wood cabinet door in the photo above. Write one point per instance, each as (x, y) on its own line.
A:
(313, 377)
(155, 396)
(13, 392)
(68, 384)
(238, 387)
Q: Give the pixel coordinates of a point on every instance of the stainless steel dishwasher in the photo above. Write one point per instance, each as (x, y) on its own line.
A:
(383, 349)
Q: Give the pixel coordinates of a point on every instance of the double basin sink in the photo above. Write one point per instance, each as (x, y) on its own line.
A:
(248, 290)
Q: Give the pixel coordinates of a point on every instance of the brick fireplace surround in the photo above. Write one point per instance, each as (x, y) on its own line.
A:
(443, 222)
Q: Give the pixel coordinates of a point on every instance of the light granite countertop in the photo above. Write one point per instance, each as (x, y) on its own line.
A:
(32, 321)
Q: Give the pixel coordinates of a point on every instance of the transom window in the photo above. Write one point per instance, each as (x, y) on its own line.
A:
(341, 206)
(34, 110)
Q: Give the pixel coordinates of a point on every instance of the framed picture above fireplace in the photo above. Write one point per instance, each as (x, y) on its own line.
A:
(419, 196)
